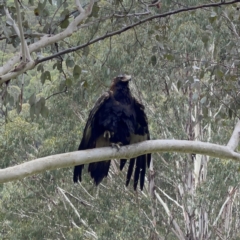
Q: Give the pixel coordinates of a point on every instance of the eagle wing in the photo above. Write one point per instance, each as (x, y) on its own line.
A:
(92, 138)
(141, 134)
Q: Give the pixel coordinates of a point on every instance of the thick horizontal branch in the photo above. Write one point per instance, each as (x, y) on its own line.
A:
(94, 155)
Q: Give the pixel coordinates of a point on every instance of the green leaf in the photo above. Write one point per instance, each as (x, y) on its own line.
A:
(42, 101)
(38, 107)
(69, 62)
(212, 19)
(219, 73)
(179, 84)
(154, 49)
(40, 68)
(45, 13)
(68, 82)
(64, 14)
(153, 60)
(158, 38)
(32, 111)
(150, 32)
(95, 11)
(43, 78)
(86, 51)
(32, 99)
(205, 112)
(31, 2)
(58, 65)
(77, 72)
(65, 23)
(44, 112)
(48, 75)
(201, 75)
(84, 84)
(205, 38)
(169, 57)
(11, 100)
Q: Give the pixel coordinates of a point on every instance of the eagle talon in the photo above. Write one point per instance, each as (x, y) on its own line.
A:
(117, 145)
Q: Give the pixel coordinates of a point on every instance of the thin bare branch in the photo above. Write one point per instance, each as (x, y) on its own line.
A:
(229, 197)
(178, 232)
(25, 51)
(170, 198)
(26, 35)
(233, 28)
(71, 205)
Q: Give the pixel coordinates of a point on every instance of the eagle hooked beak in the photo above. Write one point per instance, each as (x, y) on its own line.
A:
(126, 78)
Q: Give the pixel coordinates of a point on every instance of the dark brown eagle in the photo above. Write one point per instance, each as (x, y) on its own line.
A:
(116, 119)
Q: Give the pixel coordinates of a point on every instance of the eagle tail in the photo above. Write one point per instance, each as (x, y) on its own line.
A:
(122, 163)
(148, 160)
(130, 170)
(142, 170)
(77, 174)
(99, 170)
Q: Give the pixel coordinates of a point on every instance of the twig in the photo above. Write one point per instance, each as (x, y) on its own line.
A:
(179, 234)
(233, 26)
(65, 90)
(224, 204)
(72, 206)
(170, 198)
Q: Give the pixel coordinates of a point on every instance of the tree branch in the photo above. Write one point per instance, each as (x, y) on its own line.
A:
(73, 26)
(229, 197)
(124, 29)
(232, 25)
(46, 40)
(234, 140)
(126, 152)
(178, 231)
(79, 6)
(25, 51)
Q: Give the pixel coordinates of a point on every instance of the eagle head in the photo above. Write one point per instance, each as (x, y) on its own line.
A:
(120, 80)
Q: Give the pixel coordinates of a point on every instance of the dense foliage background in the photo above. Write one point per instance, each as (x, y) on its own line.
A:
(185, 70)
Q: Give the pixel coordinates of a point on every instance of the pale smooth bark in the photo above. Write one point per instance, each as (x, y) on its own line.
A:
(94, 155)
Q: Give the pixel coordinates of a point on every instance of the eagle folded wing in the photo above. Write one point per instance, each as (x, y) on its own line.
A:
(91, 139)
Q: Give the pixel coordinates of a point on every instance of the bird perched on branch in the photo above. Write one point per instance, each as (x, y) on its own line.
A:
(116, 119)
